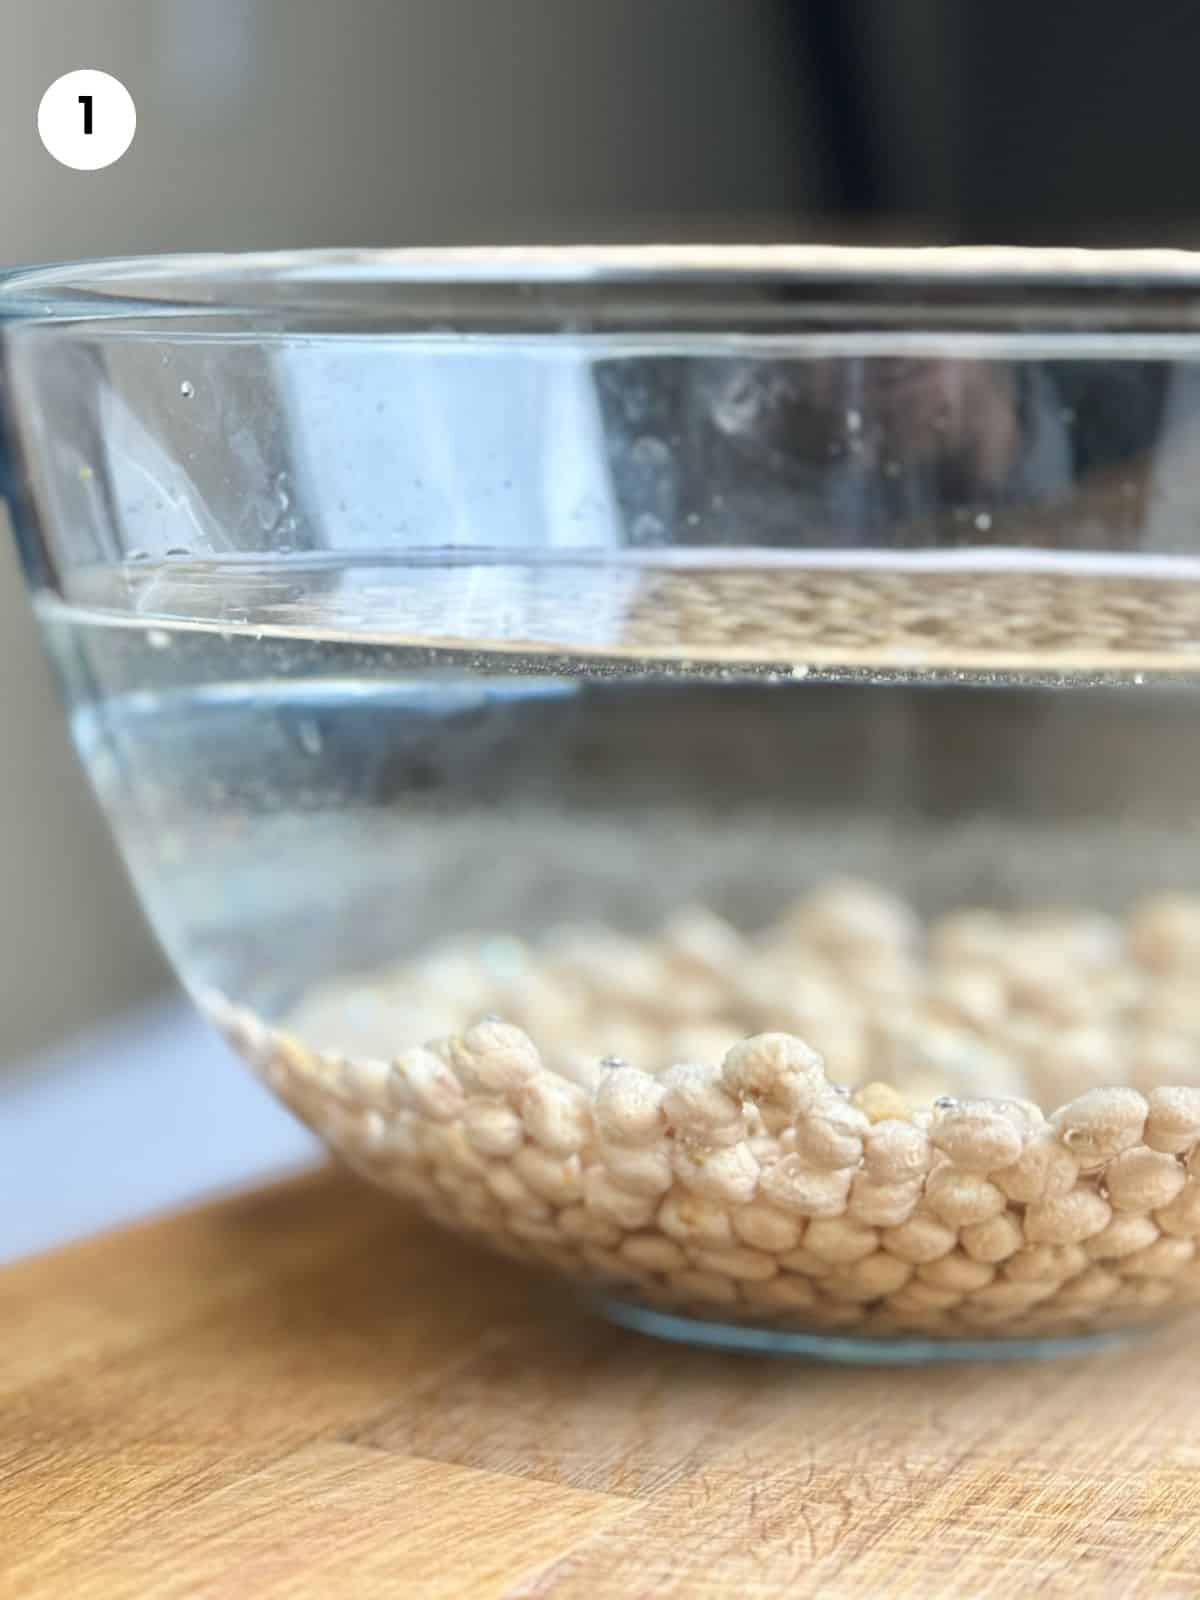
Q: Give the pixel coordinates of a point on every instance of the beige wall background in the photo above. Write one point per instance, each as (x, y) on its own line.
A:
(270, 123)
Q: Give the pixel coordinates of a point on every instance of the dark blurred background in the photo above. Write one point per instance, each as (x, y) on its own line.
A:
(273, 123)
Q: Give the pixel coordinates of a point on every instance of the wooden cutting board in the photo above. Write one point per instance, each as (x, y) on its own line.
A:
(307, 1392)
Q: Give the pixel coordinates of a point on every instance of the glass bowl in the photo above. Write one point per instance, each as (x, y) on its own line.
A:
(681, 762)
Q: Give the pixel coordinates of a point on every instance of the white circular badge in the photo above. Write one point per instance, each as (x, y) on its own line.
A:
(87, 119)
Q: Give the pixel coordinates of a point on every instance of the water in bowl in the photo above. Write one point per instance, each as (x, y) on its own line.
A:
(304, 791)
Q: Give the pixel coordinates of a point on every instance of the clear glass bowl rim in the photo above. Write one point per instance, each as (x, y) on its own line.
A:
(294, 282)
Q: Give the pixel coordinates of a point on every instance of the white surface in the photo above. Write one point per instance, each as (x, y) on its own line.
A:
(143, 1114)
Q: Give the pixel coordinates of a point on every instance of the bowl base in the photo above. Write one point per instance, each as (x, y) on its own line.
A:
(844, 1348)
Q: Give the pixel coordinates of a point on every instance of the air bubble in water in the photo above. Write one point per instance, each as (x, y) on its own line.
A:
(612, 1062)
(187, 388)
(651, 452)
(854, 421)
(946, 1102)
(983, 521)
(648, 529)
(158, 639)
(740, 403)
(309, 735)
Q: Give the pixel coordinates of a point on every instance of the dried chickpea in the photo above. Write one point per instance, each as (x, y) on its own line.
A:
(1069, 1219)
(690, 1218)
(492, 1128)
(653, 1253)
(975, 995)
(699, 1108)
(1100, 1123)
(1052, 1263)
(729, 1175)
(846, 916)
(1173, 1120)
(628, 1107)
(956, 1271)
(1122, 1237)
(493, 1057)
(577, 1222)
(1044, 1170)
(882, 1205)
(765, 1228)
(839, 1240)
(556, 1114)
(696, 939)
(793, 1186)
(777, 1071)
(976, 938)
(1164, 931)
(1143, 1180)
(1181, 1217)
(878, 1273)
(958, 1198)
(1088, 1288)
(1162, 1259)
(920, 1239)
(642, 1169)
(1144, 1294)
(917, 1295)
(831, 1135)
(558, 1179)
(367, 1082)
(446, 1144)
(1004, 1295)
(880, 1102)
(978, 1136)
(805, 1263)
(606, 1200)
(896, 1151)
(992, 1241)
(736, 1261)
(434, 1089)
(512, 1194)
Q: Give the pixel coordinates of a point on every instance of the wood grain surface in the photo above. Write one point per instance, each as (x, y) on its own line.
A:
(307, 1392)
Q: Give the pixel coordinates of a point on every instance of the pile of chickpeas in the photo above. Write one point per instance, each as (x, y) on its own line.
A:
(834, 1125)
(879, 615)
